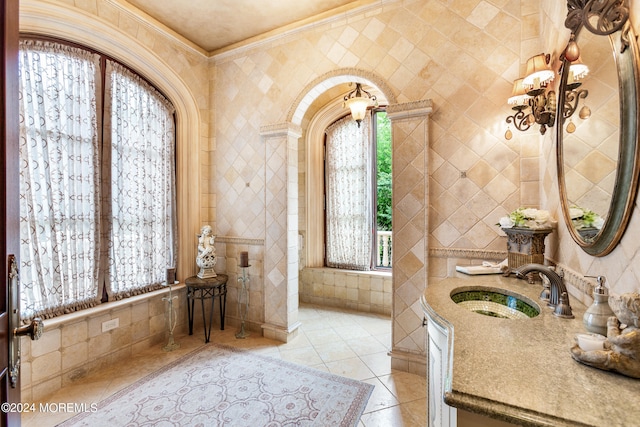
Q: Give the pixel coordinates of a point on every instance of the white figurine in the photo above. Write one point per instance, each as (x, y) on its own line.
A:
(206, 258)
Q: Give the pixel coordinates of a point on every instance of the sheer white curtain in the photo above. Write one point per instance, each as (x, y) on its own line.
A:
(59, 179)
(97, 191)
(142, 218)
(349, 198)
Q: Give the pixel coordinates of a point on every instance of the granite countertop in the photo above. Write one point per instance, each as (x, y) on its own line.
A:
(521, 371)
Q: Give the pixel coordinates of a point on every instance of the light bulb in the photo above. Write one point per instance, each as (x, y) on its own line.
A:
(508, 134)
(571, 128)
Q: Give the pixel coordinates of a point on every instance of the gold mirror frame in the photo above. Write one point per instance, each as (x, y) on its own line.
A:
(607, 18)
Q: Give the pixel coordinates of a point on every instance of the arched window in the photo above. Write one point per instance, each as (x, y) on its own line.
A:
(97, 180)
(358, 193)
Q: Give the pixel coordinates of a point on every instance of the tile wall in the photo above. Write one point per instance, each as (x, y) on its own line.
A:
(369, 292)
(461, 55)
(74, 345)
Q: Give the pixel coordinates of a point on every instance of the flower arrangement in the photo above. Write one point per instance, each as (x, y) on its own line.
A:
(526, 218)
(585, 218)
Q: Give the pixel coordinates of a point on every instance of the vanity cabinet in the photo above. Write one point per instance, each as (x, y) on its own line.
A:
(439, 414)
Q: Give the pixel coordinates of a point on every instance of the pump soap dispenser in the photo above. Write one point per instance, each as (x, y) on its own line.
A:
(596, 317)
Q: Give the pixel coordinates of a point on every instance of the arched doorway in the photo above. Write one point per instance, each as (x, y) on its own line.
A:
(410, 134)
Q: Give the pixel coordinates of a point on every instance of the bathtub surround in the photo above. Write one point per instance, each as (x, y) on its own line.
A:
(221, 385)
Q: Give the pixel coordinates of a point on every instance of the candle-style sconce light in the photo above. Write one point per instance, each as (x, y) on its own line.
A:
(531, 101)
(573, 95)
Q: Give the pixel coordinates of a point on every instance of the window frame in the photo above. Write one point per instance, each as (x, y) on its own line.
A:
(374, 189)
(102, 99)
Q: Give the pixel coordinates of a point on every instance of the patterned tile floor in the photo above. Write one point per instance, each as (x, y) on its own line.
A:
(343, 342)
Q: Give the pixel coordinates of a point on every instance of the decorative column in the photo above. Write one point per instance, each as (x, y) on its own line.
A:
(410, 143)
(525, 245)
(281, 225)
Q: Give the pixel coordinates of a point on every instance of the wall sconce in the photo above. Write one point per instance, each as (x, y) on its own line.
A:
(358, 100)
(520, 101)
(530, 92)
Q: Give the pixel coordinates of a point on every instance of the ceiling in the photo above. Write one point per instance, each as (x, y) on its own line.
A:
(219, 25)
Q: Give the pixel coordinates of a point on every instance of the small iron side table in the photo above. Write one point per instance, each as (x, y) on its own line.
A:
(202, 289)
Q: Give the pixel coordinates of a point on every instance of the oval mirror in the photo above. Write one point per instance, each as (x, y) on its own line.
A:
(598, 157)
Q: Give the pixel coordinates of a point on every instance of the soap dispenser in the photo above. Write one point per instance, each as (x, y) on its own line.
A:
(596, 317)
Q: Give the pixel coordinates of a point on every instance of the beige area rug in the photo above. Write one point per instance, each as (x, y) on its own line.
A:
(218, 385)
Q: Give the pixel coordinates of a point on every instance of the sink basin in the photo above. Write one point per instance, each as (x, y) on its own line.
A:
(495, 302)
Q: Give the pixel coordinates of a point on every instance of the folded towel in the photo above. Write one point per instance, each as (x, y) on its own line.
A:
(505, 262)
(477, 269)
(486, 268)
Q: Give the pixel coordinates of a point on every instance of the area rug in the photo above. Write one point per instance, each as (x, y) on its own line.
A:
(218, 385)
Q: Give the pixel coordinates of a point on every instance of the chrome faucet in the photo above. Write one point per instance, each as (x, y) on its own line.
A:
(559, 297)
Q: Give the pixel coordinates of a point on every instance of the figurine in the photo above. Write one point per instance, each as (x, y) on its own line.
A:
(621, 351)
(206, 258)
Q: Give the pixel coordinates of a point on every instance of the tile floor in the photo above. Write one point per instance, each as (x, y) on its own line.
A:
(343, 342)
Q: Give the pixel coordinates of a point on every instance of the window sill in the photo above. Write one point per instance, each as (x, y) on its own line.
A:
(377, 273)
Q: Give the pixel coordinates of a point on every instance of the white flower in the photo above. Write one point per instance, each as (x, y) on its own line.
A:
(585, 218)
(598, 222)
(506, 222)
(527, 218)
(575, 212)
(542, 216)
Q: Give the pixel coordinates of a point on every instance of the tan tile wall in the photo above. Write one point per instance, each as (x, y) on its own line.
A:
(74, 345)
(370, 292)
(410, 126)
(463, 55)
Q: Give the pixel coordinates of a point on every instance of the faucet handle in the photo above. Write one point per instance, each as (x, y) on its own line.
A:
(563, 309)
